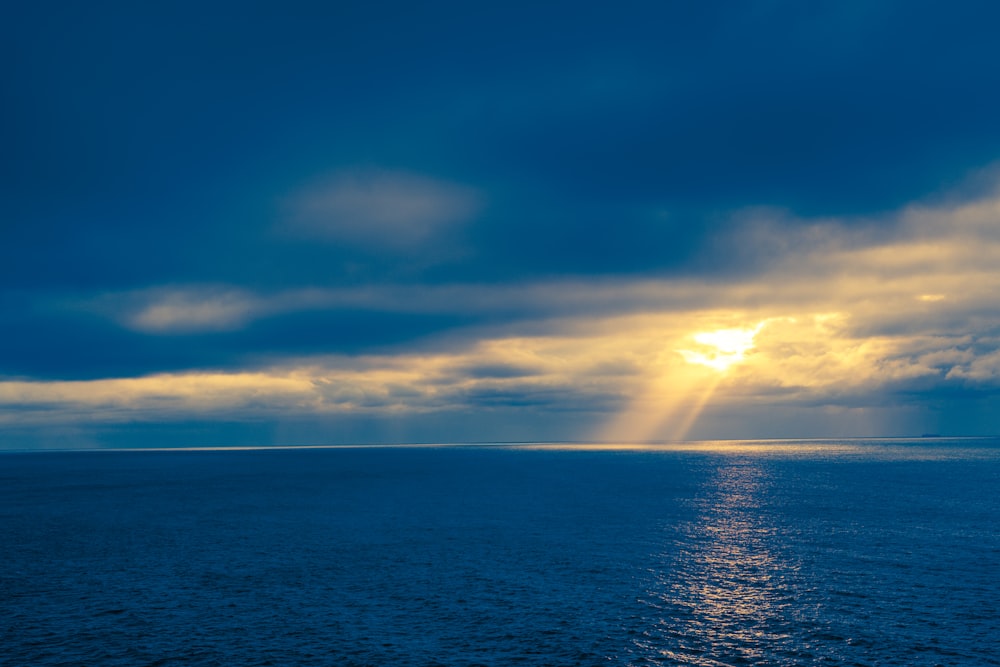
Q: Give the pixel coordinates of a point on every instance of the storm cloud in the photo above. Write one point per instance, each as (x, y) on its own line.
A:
(370, 222)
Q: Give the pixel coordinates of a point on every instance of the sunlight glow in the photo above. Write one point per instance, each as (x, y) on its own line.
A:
(722, 348)
(669, 405)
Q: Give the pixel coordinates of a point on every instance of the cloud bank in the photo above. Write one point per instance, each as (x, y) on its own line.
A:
(840, 319)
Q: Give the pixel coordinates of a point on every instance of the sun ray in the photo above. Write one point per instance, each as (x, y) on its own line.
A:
(682, 429)
(668, 406)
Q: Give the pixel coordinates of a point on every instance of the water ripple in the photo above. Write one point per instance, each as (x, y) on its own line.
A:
(494, 556)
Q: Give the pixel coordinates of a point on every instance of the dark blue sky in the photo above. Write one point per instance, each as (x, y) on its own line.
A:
(329, 191)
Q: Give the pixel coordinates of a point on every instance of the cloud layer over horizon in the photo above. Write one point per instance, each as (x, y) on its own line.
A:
(452, 224)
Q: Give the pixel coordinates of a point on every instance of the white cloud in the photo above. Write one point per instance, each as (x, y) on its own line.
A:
(194, 309)
(381, 209)
(180, 309)
(189, 310)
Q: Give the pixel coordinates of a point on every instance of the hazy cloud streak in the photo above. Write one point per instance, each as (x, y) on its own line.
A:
(380, 209)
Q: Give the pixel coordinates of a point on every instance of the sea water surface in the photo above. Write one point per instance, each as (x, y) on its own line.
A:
(729, 553)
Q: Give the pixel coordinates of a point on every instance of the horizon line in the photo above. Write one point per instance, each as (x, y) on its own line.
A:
(553, 444)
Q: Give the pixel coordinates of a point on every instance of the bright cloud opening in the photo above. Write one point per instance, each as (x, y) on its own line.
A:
(722, 348)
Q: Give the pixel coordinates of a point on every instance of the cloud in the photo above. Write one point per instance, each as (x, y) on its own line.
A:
(841, 317)
(190, 310)
(156, 397)
(380, 209)
(593, 368)
(200, 309)
(512, 372)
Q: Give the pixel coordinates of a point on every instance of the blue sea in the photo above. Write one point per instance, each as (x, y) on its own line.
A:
(854, 552)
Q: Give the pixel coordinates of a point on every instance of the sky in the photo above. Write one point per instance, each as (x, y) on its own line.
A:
(292, 223)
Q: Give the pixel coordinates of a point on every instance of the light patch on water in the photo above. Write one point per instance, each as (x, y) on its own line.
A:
(723, 595)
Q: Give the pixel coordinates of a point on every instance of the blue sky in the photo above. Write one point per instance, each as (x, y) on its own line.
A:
(300, 223)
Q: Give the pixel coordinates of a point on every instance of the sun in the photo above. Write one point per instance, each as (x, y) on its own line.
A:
(722, 348)
(669, 403)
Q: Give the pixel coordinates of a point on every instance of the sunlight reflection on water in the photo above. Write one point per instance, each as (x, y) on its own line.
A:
(721, 595)
(889, 449)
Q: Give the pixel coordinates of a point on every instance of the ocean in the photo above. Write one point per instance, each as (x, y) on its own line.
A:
(851, 552)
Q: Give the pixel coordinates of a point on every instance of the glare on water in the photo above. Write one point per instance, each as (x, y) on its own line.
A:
(722, 593)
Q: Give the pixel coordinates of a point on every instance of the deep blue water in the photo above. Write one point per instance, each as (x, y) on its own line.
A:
(788, 553)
